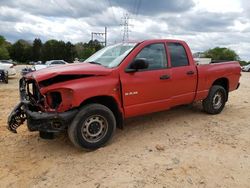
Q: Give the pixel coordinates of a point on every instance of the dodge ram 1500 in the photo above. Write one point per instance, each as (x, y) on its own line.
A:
(90, 100)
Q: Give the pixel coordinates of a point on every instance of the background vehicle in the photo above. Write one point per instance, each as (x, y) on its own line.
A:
(4, 76)
(50, 63)
(27, 70)
(91, 99)
(7, 66)
(35, 62)
(246, 68)
(10, 61)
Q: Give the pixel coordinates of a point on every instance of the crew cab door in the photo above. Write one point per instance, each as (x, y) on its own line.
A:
(147, 90)
(184, 73)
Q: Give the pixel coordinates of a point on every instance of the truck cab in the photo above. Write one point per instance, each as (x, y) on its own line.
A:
(171, 72)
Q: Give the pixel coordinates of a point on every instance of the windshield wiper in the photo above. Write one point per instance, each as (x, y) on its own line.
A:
(93, 62)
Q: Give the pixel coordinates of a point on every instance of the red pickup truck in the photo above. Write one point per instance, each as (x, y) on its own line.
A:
(91, 99)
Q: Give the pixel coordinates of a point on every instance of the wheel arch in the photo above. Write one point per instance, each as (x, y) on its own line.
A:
(110, 103)
(224, 82)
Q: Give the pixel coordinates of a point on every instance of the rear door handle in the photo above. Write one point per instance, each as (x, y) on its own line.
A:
(164, 77)
(190, 72)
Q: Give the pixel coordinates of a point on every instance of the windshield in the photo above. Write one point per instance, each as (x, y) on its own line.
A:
(111, 56)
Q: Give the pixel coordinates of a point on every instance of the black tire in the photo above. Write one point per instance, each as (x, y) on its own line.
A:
(248, 70)
(92, 127)
(216, 100)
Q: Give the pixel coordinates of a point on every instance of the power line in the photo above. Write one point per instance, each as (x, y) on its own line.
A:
(138, 7)
(110, 5)
(134, 7)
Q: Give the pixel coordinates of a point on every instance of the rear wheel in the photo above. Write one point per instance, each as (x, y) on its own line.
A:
(216, 100)
(93, 127)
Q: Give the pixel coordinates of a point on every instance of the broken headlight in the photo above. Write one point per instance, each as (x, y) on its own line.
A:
(60, 100)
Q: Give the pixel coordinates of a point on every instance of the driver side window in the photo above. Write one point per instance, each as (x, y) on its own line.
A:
(155, 55)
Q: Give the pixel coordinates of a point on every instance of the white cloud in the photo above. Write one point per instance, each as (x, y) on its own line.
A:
(202, 23)
(221, 6)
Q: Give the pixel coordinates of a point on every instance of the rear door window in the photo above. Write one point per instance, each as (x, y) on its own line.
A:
(178, 55)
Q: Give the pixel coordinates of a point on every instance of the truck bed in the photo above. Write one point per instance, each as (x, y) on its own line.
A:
(208, 73)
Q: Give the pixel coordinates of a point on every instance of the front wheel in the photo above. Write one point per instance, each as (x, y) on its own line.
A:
(93, 127)
(216, 100)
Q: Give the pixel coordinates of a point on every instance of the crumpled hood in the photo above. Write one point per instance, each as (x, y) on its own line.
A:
(69, 69)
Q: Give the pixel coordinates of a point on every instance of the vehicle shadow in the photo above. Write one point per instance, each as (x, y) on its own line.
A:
(61, 145)
(159, 119)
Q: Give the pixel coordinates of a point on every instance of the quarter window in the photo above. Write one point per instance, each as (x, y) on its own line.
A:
(155, 54)
(178, 55)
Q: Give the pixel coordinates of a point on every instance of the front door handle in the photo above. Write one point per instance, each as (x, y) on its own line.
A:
(164, 77)
(190, 72)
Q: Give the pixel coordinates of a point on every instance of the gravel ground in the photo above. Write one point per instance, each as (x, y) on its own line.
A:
(182, 147)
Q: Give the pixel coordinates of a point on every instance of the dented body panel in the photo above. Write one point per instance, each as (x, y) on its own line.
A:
(70, 69)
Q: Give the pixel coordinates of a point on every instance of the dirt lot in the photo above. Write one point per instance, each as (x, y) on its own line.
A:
(182, 147)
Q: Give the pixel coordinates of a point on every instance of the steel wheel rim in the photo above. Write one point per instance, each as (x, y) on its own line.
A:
(217, 100)
(94, 128)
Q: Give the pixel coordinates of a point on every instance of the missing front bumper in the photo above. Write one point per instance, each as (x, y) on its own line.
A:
(49, 121)
(39, 121)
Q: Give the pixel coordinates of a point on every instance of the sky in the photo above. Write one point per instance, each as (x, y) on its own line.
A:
(203, 24)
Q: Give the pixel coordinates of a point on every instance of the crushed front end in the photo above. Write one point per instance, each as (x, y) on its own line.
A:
(34, 108)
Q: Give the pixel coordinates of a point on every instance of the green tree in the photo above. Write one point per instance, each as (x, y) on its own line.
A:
(2, 40)
(49, 50)
(4, 53)
(79, 49)
(243, 63)
(88, 52)
(37, 50)
(84, 50)
(70, 52)
(95, 44)
(21, 51)
(53, 49)
(222, 54)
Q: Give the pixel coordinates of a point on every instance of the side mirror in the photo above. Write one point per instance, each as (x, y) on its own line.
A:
(137, 64)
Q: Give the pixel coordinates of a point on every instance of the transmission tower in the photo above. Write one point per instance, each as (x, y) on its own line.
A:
(125, 25)
(100, 34)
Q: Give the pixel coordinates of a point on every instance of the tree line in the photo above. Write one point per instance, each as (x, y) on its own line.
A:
(24, 51)
(221, 53)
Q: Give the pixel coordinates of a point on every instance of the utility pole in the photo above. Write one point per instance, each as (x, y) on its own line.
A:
(105, 36)
(125, 24)
(100, 34)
